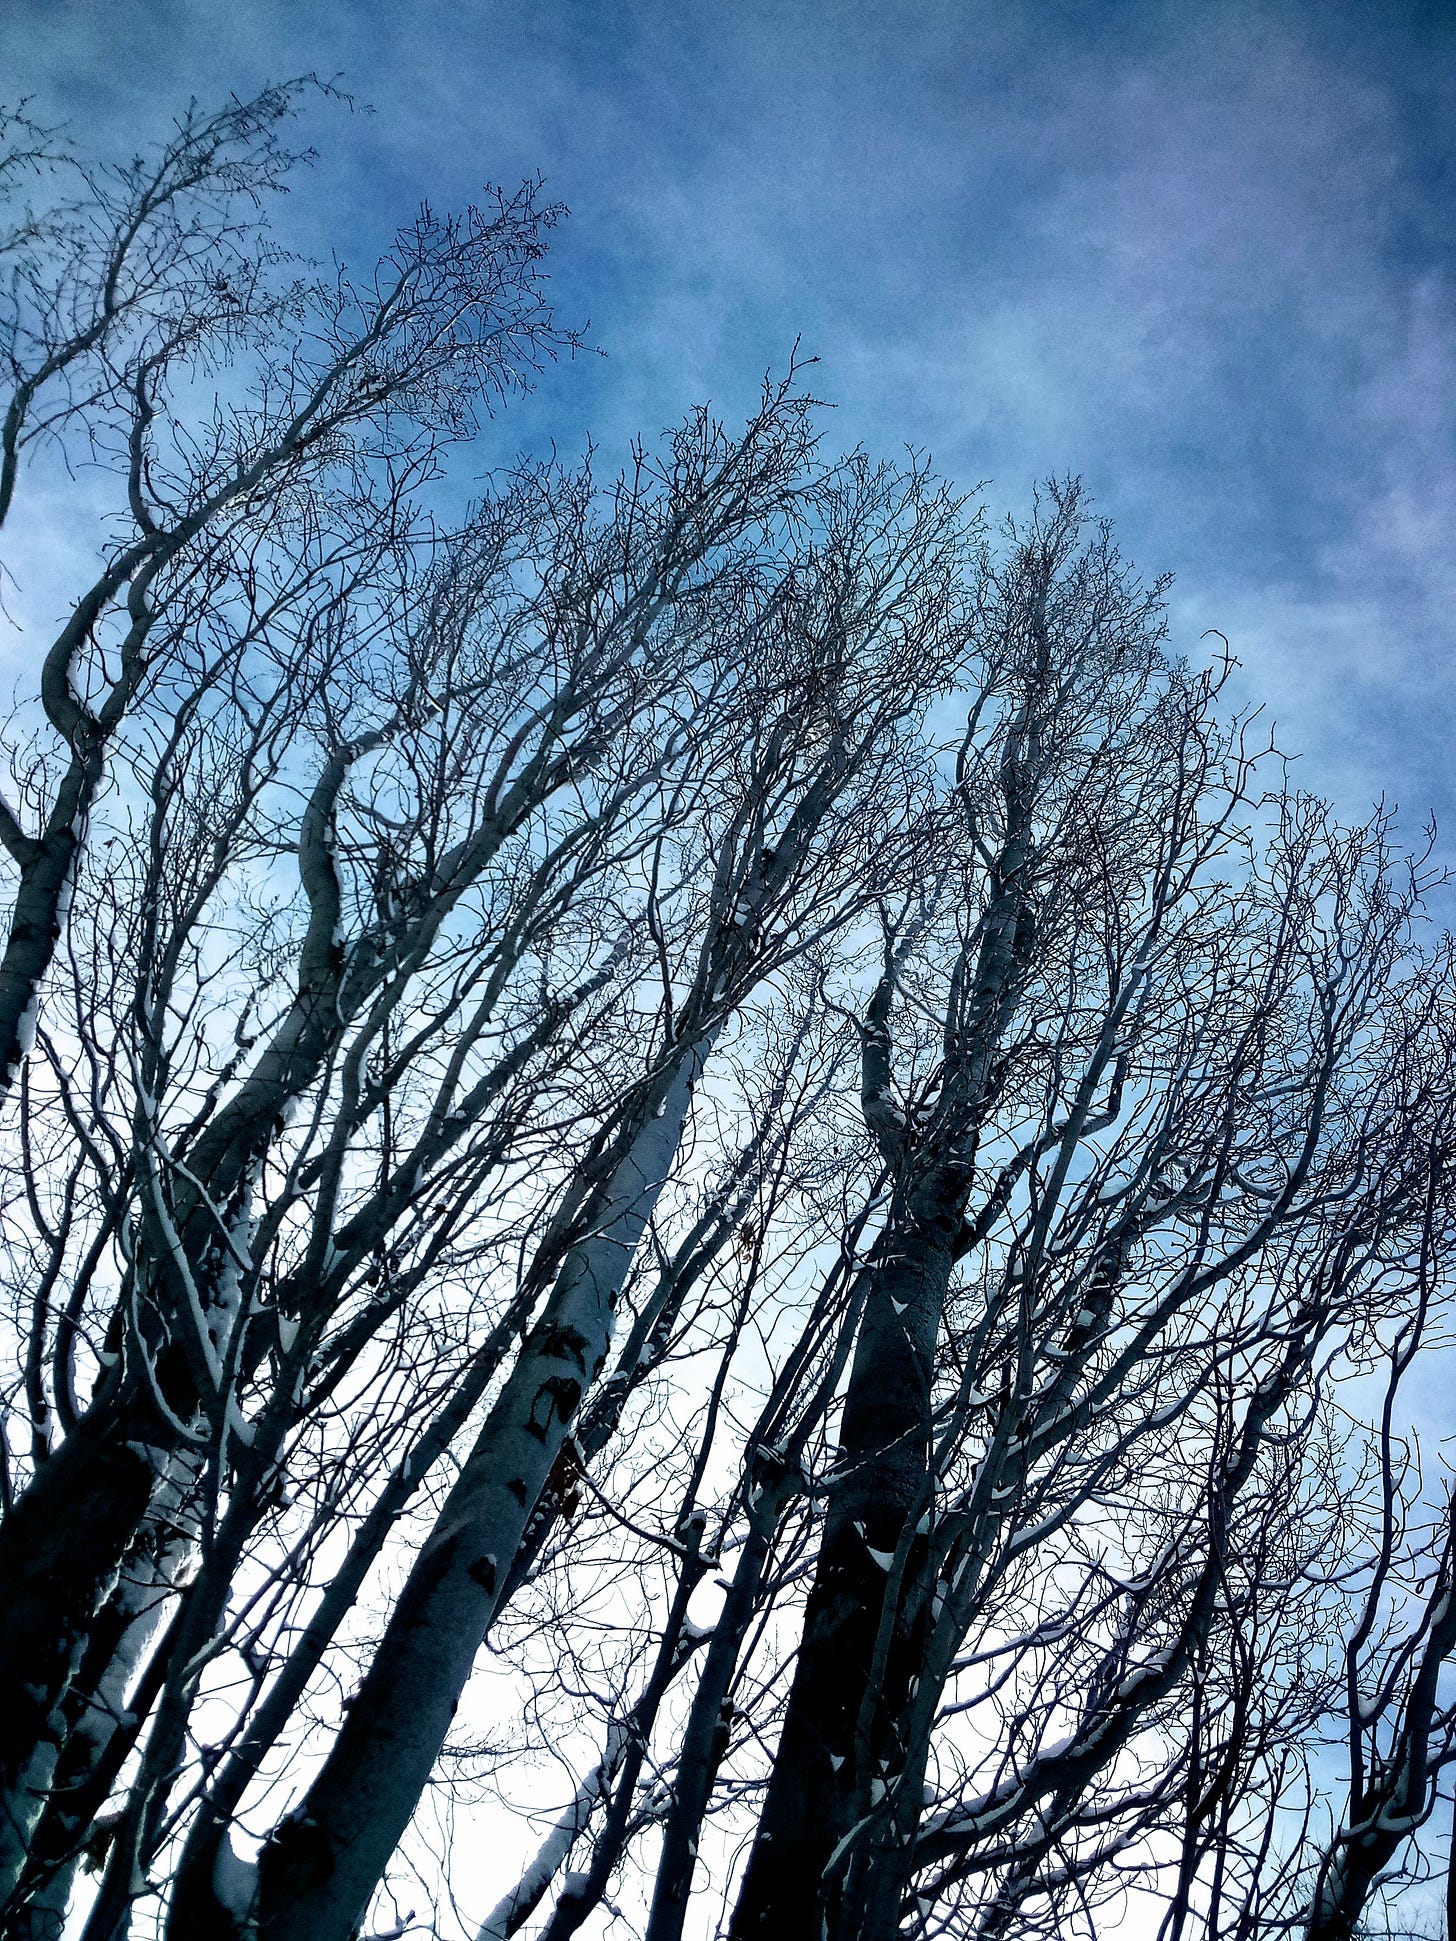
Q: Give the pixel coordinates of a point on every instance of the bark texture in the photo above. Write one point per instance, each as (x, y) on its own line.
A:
(322, 1864)
(859, 1649)
(63, 1545)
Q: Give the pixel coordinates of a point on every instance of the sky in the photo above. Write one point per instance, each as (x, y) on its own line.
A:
(1199, 253)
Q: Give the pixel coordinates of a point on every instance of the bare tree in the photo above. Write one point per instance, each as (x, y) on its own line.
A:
(479, 773)
(132, 285)
(574, 1108)
(1150, 1091)
(860, 629)
(1391, 1699)
(573, 782)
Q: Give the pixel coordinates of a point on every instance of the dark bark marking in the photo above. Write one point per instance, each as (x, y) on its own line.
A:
(563, 1343)
(482, 1572)
(563, 1393)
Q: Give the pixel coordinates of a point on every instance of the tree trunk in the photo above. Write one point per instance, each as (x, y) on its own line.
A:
(859, 1651)
(65, 1538)
(705, 1737)
(195, 1909)
(321, 1865)
(38, 913)
(61, 1547)
(108, 1700)
(577, 1903)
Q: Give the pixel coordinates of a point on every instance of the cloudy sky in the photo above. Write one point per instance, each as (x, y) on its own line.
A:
(1200, 253)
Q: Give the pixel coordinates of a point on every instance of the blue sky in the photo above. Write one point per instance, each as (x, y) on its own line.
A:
(1200, 253)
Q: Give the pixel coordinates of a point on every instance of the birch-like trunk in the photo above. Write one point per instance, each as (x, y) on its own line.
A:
(100, 1717)
(60, 1552)
(47, 865)
(705, 1736)
(516, 1907)
(64, 1540)
(323, 1863)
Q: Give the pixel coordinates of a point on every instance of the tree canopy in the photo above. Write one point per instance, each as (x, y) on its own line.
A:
(701, 1160)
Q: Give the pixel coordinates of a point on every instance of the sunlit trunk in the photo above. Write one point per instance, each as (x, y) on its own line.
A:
(325, 1860)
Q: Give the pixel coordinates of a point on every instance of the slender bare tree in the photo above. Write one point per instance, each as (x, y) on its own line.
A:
(855, 637)
(562, 790)
(485, 734)
(129, 289)
(1150, 1090)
